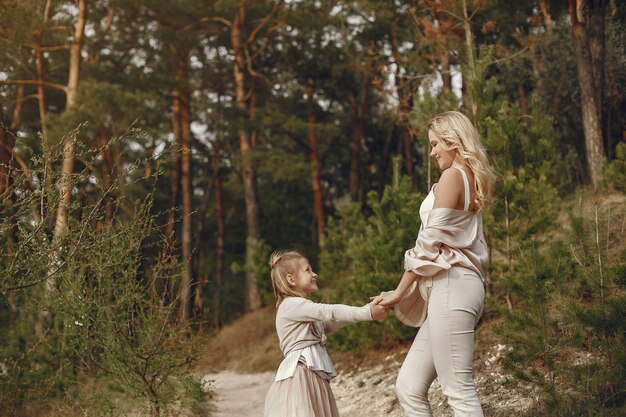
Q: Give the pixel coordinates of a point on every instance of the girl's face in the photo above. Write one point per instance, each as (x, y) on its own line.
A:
(304, 279)
(443, 157)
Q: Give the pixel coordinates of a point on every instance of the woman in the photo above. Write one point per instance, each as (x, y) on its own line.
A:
(442, 288)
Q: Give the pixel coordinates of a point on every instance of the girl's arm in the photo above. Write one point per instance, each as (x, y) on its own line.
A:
(302, 309)
(377, 311)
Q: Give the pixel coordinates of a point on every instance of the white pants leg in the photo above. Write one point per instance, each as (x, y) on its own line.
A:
(444, 346)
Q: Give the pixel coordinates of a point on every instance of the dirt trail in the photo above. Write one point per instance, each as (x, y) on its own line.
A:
(243, 395)
(370, 390)
(239, 395)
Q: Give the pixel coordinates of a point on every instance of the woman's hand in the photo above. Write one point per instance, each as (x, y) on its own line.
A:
(390, 298)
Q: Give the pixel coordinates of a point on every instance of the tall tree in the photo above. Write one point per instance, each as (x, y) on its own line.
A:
(245, 103)
(69, 147)
(588, 25)
(181, 115)
(244, 35)
(314, 156)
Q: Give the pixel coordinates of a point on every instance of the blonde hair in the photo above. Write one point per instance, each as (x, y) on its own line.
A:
(282, 264)
(456, 131)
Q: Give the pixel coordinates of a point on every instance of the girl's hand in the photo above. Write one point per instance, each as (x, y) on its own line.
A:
(378, 312)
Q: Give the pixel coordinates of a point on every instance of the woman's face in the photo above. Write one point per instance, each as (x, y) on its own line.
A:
(443, 157)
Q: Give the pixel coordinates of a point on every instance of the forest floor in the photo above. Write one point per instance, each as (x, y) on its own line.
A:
(241, 361)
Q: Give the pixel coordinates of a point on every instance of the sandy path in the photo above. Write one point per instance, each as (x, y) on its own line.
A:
(243, 395)
(239, 395)
(369, 391)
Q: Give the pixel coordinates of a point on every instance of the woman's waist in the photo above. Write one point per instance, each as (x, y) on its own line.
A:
(445, 275)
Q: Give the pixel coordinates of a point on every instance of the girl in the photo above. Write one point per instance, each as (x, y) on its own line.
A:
(301, 387)
(442, 289)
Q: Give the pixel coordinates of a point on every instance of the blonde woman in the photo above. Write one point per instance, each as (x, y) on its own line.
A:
(301, 387)
(442, 288)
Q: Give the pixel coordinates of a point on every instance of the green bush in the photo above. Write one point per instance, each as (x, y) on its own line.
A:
(90, 319)
(615, 171)
(566, 328)
(364, 256)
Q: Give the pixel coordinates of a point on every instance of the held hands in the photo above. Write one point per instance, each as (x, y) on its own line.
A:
(378, 311)
(387, 298)
(391, 298)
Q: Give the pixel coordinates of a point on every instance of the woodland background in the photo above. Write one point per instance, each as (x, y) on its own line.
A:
(153, 153)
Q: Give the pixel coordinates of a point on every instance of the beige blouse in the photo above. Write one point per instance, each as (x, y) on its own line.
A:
(447, 238)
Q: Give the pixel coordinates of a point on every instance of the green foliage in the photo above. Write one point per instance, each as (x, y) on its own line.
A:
(89, 308)
(535, 328)
(600, 254)
(364, 256)
(615, 171)
(566, 328)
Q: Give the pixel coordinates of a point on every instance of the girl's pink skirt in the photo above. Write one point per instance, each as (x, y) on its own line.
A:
(306, 394)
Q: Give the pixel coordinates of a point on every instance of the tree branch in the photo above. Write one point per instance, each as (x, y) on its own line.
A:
(264, 22)
(216, 19)
(47, 48)
(252, 71)
(19, 160)
(21, 99)
(35, 82)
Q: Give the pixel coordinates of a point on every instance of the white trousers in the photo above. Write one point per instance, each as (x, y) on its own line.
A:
(444, 346)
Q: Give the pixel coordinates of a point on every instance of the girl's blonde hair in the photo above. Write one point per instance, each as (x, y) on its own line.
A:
(282, 264)
(456, 131)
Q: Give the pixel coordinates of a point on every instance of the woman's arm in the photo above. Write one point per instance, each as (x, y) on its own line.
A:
(392, 298)
(448, 192)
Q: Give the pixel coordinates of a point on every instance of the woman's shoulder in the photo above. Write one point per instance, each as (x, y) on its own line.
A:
(451, 176)
(450, 183)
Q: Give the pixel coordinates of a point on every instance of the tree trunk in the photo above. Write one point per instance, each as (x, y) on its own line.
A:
(39, 61)
(7, 196)
(187, 197)
(149, 162)
(403, 112)
(202, 278)
(357, 111)
(174, 174)
(469, 76)
(521, 96)
(181, 114)
(67, 166)
(41, 103)
(7, 142)
(589, 81)
(446, 75)
(18, 110)
(547, 17)
(253, 240)
(316, 172)
(219, 265)
(107, 174)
